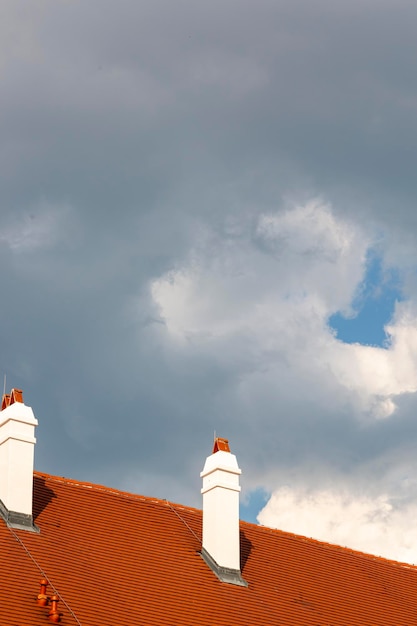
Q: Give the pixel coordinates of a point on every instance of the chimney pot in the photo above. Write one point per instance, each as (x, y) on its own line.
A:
(220, 445)
(16, 395)
(5, 401)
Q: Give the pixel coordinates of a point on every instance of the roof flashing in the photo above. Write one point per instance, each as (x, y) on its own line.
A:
(224, 574)
(19, 521)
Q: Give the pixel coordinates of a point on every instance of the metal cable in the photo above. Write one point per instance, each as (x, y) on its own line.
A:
(183, 521)
(44, 575)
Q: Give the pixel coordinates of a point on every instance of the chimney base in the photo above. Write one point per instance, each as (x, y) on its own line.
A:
(225, 574)
(20, 521)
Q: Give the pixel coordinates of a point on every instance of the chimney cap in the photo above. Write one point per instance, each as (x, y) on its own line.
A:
(221, 445)
(16, 395)
(5, 401)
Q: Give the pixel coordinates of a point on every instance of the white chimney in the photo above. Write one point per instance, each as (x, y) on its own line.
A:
(17, 442)
(221, 536)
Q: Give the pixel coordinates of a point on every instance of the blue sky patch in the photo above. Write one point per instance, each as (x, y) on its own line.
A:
(255, 502)
(373, 306)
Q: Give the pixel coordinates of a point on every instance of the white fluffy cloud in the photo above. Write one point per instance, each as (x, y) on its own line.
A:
(301, 261)
(258, 299)
(377, 375)
(378, 525)
(274, 286)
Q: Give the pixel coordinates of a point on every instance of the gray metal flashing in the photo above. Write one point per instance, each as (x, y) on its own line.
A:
(225, 574)
(20, 521)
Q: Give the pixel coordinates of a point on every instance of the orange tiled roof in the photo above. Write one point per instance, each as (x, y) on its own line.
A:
(117, 559)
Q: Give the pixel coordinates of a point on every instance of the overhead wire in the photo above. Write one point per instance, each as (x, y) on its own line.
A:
(184, 522)
(44, 575)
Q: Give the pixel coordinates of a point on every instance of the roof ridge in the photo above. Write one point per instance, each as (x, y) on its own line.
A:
(332, 546)
(111, 490)
(259, 528)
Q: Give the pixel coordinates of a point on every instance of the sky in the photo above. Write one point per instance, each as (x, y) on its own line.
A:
(208, 223)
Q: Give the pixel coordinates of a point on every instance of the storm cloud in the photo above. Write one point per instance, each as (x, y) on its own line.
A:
(189, 191)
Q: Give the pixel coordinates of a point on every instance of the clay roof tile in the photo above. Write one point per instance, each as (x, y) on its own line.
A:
(91, 536)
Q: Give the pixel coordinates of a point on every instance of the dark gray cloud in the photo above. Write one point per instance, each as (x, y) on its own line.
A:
(130, 131)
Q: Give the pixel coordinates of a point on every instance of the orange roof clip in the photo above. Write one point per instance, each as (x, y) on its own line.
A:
(221, 445)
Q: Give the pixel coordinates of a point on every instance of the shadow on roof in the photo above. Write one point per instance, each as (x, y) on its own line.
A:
(245, 549)
(43, 495)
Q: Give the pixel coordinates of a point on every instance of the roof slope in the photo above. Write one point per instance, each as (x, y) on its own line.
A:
(120, 559)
